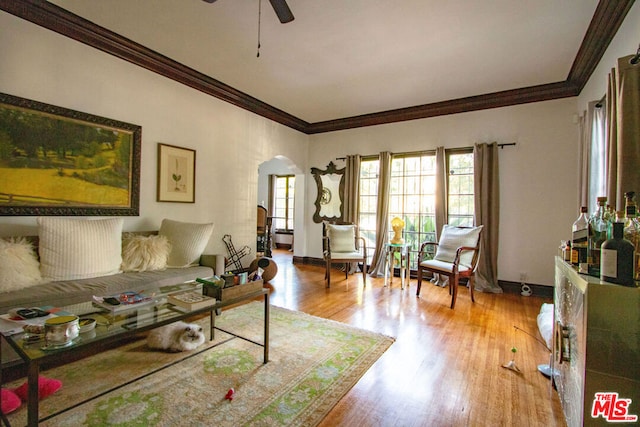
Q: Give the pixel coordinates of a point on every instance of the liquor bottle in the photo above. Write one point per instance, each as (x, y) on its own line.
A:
(610, 217)
(579, 240)
(617, 258)
(597, 235)
(632, 227)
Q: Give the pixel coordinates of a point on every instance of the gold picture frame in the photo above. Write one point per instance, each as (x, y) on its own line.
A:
(176, 174)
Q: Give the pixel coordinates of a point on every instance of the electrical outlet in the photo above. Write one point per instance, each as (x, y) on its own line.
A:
(523, 277)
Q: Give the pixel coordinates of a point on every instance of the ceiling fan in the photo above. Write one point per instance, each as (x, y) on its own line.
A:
(280, 7)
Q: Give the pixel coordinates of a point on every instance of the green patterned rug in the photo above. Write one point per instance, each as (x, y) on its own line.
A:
(313, 362)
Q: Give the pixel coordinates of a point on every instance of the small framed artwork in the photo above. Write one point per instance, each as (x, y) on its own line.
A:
(176, 174)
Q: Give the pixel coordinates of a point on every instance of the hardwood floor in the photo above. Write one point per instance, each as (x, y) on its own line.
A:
(445, 367)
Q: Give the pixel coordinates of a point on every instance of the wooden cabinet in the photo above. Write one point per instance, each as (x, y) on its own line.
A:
(596, 346)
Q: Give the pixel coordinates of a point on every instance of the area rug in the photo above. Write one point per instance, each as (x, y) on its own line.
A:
(313, 363)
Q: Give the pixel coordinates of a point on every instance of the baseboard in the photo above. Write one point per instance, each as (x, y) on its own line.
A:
(508, 287)
(541, 291)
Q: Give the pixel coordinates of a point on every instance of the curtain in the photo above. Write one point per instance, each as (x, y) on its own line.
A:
(441, 191)
(352, 189)
(612, 140)
(487, 213)
(382, 216)
(628, 127)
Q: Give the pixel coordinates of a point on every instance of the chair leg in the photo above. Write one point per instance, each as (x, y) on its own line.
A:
(347, 266)
(327, 274)
(364, 273)
(453, 283)
(419, 281)
(470, 283)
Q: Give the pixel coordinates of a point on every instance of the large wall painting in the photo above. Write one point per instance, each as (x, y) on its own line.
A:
(56, 161)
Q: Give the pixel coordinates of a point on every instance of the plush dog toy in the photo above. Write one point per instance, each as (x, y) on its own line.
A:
(13, 398)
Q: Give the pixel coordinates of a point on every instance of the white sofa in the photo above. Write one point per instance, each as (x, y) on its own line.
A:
(102, 263)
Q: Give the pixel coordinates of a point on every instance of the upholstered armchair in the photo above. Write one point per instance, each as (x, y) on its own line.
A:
(456, 257)
(342, 245)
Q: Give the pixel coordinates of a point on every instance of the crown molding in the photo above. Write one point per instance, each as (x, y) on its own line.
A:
(607, 18)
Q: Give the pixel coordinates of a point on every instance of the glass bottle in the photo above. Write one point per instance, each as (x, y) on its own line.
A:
(632, 228)
(617, 258)
(598, 234)
(579, 240)
(610, 217)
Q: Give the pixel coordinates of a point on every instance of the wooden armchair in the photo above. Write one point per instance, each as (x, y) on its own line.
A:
(456, 256)
(341, 244)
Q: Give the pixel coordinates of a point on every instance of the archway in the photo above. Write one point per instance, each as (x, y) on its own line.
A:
(283, 166)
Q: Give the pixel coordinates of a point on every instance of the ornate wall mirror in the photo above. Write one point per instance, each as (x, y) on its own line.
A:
(330, 184)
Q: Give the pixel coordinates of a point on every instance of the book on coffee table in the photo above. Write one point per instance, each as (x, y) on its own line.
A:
(126, 301)
(191, 300)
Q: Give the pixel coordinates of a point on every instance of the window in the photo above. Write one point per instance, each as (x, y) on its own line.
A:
(460, 189)
(598, 157)
(369, 170)
(283, 202)
(412, 195)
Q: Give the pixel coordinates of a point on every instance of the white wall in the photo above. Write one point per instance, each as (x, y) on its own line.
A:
(537, 176)
(230, 142)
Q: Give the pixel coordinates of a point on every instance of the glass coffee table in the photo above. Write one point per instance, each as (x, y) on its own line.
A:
(113, 328)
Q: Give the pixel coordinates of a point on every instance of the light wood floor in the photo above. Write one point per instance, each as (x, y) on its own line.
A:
(445, 367)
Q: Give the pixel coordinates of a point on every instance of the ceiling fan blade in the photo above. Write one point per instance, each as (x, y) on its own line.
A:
(282, 10)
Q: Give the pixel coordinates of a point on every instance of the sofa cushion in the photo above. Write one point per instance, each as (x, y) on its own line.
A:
(144, 253)
(73, 249)
(65, 293)
(19, 265)
(188, 241)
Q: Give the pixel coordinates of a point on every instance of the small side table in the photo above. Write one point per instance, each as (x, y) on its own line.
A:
(403, 250)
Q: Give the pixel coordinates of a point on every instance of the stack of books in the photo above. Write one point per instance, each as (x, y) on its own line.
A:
(191, 300)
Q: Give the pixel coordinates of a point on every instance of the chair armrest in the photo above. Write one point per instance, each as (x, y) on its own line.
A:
(459, 251)
(362, 245)
(422, 251)
(326, 248)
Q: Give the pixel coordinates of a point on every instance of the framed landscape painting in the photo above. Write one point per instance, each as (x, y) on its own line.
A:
(176, 174)
(56, 161)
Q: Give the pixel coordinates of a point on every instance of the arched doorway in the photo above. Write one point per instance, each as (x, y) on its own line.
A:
(274, 173)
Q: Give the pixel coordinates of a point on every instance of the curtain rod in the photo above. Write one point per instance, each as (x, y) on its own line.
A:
(507, 144)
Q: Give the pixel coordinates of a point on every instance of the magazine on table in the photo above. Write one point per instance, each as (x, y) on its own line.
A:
(123, 301)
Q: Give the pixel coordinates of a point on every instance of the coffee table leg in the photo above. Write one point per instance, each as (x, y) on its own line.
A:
(266, 327)
(212, 323)
(32, 404)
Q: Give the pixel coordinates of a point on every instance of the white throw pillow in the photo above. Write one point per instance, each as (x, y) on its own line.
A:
(79, 248)
(144, 253)
(454, 237)
(19, 266)
(187, 241)
(342, 238)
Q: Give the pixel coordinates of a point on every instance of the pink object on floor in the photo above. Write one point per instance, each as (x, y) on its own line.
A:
(10, 401)
(46, 387)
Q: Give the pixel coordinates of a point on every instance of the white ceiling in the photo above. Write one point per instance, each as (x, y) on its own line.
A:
(343, 58)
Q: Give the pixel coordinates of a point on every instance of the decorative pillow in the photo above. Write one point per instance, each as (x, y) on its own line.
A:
(454, 237)
(79, 248)
(145, 253)
(342, 238)
(187, 241)
(19, 265)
